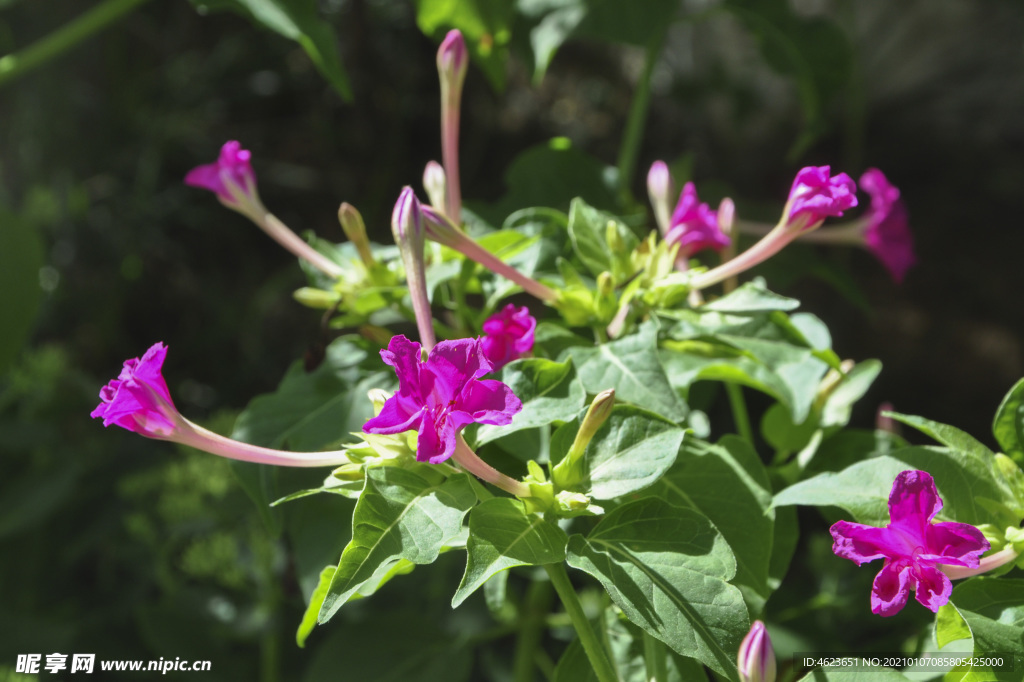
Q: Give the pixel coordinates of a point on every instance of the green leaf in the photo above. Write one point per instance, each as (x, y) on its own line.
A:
(833, 675)
(1008, 426)
(588, 230)
(503, 535)
(300, 21)
(486, 26)
(950, 436)
(862, 490)
(667, 568)
(993, 608)
(630, 451)
(750, 297)
(21, 256)
(630, 366)
(550, 391)
(316, 600)
(402, 514)
(743, 516)
(312, 410)
(852, 387)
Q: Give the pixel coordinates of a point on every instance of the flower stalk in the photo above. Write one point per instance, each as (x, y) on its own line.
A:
(471, 462)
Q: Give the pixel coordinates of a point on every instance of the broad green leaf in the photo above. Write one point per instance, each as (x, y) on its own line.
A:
(1008, 426)
(666, 568)
(550, 391)
(630, 451)
(1001, 599)
(503, 535)
(630, 366)
(551, 31)
(781, 433)
(835, 675)
(402, 514)
(852, 387)
(849, 446)
(297, 20)
(750, 297)
(994, 639)
(316, 600)
(744, 516)
(950, 436)
(485, 24)
(862, 490)
(21, 256)
(312, 410)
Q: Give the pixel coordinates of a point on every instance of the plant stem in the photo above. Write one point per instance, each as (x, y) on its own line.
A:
(16, 64)
(531, 619)
(739, 411)
(654, 659)
(630, 149)
(284, 236)
(588, 638)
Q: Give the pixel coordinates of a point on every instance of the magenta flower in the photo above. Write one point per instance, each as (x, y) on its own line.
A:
(231, 168)
(694, 226)
(887, 234)
(508, 335)
(815, 195)
(911, 545)
(440, 396)
(138, 399)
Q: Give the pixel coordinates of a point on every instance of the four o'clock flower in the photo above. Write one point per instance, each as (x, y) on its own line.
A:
(138, 400)
(508, 335)
(442, 395)
(694, 226)
(814, 196)
(232, 179)
(887, 234)
(452, 63)
(756, 659)
(914, 548)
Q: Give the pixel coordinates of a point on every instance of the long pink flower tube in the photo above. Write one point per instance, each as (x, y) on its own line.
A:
(138, 400)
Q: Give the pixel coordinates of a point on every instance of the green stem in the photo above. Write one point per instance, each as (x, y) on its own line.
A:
(654, 659)
(635, 124)
(66, 37)
(531, 628)
(588, 638)
(739, 411)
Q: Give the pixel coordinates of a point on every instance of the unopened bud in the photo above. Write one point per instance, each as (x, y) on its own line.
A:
(406, 222)
(439, 228)
(883, 422)
(348, 472)
(452, 59)
(434, 184)
(569, 501)
(596, 416)
(355, 229)
(756, 660)
(605, 284)
(660, 191)
(316, 298)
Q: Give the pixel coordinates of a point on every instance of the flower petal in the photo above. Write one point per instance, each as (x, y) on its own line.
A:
(913, 502)
(890, 589)
(397, 415)
(454, 363)
(489, 402)
(959, 544)
(932, 588)
(434, 444)
(861, 544)
(404, 355)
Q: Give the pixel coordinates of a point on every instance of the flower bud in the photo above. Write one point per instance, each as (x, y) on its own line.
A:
(567, 472)
(756, 660)
(434, 184)
(351, 471)
(440, 229)
(232, 179)
(355, 229)
(660, 191)
(883, 422)
(318, 299)
(726, 216)
(406, 220)
(452, 59)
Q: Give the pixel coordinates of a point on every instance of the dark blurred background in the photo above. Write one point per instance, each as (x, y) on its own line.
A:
(114, 544)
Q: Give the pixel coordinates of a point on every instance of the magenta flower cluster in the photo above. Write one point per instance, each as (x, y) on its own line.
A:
(816, 195)
(138, 399)
(508, 335)
(911, 546)
(440, 396)
(694, 226)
